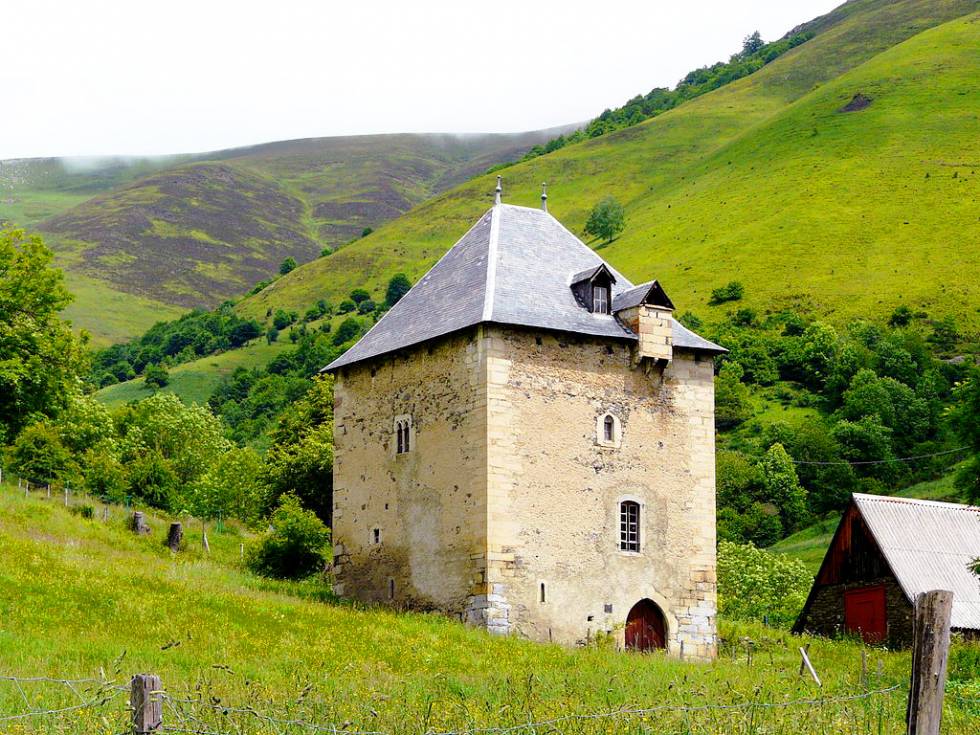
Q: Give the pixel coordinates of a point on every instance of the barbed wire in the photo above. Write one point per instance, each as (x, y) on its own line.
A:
(190, 724)
(104, 693)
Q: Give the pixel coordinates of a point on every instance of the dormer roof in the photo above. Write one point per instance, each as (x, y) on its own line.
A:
(651, 293)
(514, 267)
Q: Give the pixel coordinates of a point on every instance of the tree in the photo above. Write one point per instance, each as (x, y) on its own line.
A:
(366, 231)
(346, 306)
(732, 405)
(366, 306)
(398, 286)
(287, 266)
(782, 487)
(752, 44)
(156, 376)
(41, 360)
(348, 329)
(358, 295)
(283, 319)
(965, 419)
(39, 454)
(271, 335)
(606, 220)
(231, 487)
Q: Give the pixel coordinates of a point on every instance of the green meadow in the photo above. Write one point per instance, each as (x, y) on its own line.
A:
(84, 598)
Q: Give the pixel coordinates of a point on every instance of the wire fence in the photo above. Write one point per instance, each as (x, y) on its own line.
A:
(105, 706)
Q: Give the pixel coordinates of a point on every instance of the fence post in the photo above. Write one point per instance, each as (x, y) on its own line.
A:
(146, 703)
(930, 647)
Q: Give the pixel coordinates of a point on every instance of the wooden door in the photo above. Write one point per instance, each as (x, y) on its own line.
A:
(646, 628)
(865, 613)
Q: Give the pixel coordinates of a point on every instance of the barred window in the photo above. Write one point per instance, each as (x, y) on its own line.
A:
(629, 526)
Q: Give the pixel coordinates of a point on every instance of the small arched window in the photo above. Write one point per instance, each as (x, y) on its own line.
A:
(609, 429)
(629, 525)
(401, 437)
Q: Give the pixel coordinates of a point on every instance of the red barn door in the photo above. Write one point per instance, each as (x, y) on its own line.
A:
(864, 613)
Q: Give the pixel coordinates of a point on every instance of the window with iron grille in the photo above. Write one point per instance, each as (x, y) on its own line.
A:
(629, 526)
(600, 299)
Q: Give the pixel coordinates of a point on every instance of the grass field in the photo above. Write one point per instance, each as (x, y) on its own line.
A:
(77, 595)
(195, 381)
(843, 214)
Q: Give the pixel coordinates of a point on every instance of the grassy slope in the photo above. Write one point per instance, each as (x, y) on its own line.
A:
(762, 180)
(194, 230)
(76, 594)
(810, 544)
(195, 381)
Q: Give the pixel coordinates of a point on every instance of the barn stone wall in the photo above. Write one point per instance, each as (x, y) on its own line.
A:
(555, 487)
(825, 615)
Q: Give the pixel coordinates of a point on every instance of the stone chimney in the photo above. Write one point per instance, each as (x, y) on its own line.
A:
(654, 325)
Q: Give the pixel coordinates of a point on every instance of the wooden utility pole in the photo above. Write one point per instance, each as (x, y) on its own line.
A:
(146, 704)
(930, 648)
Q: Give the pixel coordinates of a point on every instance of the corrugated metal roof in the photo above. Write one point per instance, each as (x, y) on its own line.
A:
(929, 546)
(513, 267)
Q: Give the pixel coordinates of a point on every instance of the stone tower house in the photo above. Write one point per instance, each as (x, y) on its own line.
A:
(526, 441)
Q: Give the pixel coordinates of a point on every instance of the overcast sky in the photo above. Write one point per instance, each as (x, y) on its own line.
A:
(135, 77)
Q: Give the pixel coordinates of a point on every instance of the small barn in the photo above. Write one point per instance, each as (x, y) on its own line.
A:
(885, 552)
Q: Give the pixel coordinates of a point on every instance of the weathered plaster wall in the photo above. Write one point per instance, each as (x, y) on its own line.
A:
(554, 490)
(429, 504)
(825, 615)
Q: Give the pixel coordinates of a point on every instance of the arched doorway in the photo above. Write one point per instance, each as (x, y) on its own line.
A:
(646, 628)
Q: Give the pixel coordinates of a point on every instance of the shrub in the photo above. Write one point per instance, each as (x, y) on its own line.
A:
(288, 265)
(754, 584)
(297, 545)
(348, 329)
(358, 295)
(346, 306)
(84, 511)
(325, 252)
(271, 335)
(156, 376)
(283, 319)
(732, 291)
(366, 307)
(366, 231)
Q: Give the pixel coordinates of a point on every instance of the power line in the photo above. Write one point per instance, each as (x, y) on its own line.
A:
(883, 461)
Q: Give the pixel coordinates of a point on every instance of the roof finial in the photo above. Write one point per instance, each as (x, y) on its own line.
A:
(544, 196)
(500, 190)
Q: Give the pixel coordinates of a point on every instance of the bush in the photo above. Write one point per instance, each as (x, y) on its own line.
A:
(754, 584)
(358, 295)
(346, 306)
(348, 329)
(156, 376)
(287, 266)
(732, 291)
(366, 307)
(297, 545)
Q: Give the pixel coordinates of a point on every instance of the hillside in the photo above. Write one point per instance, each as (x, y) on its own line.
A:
(767, 180)
(193, 230)
(78, 595)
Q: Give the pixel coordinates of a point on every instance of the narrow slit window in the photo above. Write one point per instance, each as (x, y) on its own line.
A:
(376, 535)
(391, 589)
(406, 439)
(543, 596)
(609, 429)
(401, 437)
(629, 526)
(600, 299)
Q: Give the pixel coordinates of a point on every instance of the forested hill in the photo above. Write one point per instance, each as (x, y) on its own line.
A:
(142, 239)
(811, 201)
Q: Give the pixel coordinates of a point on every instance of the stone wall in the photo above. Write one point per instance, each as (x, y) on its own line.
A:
(554, 488)
(825, 614)
(428, 504)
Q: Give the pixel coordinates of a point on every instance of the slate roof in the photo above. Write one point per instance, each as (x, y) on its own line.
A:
(928, 546)
(514, 266)
(637, 295)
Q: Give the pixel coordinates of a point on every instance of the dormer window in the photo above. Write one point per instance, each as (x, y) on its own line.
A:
(593, 289)
(600, 299)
